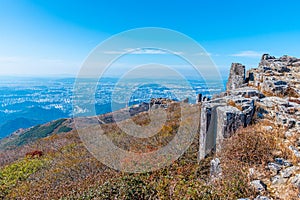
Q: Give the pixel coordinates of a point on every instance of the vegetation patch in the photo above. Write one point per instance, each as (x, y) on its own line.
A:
(35, 133)
(18, 171)
(64, 129)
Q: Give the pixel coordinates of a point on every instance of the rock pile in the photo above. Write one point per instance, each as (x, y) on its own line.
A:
(276, 76)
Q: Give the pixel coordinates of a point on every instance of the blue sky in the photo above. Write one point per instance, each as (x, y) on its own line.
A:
(54, 37)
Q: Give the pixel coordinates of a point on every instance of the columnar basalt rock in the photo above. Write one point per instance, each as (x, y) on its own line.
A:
(220, 118)
(208, 130)
(229, 119)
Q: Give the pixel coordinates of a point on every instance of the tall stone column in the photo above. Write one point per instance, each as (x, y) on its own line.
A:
(236, 76)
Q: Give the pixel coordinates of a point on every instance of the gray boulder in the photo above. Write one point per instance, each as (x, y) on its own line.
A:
(273, 167)
(258, 185)
(278, 180)
(295, 151)
(215, 168)
(283, 162)
(288, 172)
(262, 198)
(296, 181)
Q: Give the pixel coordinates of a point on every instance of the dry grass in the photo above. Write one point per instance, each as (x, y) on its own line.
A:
(74, 173)
(246, 148)
(291, 92)
(233, 104)
(254, 145)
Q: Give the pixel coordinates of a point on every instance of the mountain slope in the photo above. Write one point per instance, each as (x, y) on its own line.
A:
(15, 124)
(27, 118)
(35, 133)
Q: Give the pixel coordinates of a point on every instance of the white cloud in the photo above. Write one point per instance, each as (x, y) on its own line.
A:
(141, 51)
(252, 54)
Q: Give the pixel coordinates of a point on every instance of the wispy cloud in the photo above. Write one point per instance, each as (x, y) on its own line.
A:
(28, 60)
(51, 61)
(142, 51)
(203, 54)
(252, 54)
(10, 59)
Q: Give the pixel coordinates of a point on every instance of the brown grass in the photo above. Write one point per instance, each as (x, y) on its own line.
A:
(233, 104)
(251, 145)
(74, 173)
(291, 92)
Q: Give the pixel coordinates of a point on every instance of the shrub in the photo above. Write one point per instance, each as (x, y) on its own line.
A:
(18, 171)
(128, 186)
(64, 129)
(33, 154)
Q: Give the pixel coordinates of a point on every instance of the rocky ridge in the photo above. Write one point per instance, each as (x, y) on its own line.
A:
(268, 93)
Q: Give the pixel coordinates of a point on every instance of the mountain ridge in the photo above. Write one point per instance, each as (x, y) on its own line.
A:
(259, 156)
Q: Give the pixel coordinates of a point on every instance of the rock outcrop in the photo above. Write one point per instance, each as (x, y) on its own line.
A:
(236, 77)
(276, 76)
(220, 118)
(270, 92)
(215, 168)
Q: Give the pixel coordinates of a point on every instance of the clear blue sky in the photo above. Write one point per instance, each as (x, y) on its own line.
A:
(55, 36)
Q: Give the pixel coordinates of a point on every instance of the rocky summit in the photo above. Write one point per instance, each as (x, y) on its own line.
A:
(270, 94)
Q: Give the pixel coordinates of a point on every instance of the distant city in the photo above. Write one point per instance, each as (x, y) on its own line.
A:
(25, 102)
